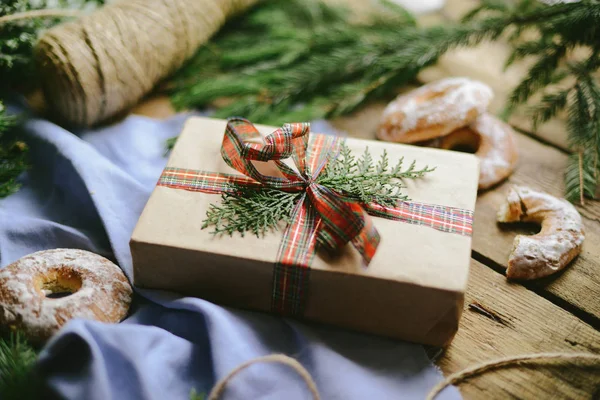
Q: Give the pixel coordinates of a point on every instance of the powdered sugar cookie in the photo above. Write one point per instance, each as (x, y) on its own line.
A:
(558, 242)
(495, 146)
(96, 289)
(434, 110)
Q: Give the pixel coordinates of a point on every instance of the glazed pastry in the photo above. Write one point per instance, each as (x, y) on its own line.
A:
(495, 147)
(97, 289)
(553, 248)
(434, 110)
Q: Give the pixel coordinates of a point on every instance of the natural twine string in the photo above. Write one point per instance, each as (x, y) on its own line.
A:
(576, 359)
(219, 388)
(103, 63)
(39, 14)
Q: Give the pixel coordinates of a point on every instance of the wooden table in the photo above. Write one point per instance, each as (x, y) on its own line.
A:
(561, 313)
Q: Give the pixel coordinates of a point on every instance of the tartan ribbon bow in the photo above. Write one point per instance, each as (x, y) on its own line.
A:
(320, 209)
(320, 216)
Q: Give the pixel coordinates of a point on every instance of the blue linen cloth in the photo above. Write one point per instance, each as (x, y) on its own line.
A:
(86, 190)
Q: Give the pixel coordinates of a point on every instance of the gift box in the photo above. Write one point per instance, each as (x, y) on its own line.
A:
(418, 253)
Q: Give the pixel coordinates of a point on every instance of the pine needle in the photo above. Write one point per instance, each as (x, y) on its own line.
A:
(17, 360)
(297, 60)
(18, 37)
(272, 67)
(580, 181)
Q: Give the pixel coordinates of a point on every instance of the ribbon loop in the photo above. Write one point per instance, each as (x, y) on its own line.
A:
(342, 221)
(240, 148)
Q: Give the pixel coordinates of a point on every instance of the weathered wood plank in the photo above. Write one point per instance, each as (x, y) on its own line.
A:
(540, 167)
(502, 319)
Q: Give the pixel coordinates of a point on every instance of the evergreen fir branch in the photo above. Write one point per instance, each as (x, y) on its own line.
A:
(525, 49)
(549, 106)
(322, 69)
(261, 210)
(280, 70)
(486, 5)
(580, 177)
(583, 125)
(539, 76)
(17, 361)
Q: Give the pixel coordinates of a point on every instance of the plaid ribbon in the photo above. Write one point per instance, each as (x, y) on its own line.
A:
(321, 216)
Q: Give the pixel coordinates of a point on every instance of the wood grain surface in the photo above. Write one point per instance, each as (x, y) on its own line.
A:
(560, 313)
(502, 319)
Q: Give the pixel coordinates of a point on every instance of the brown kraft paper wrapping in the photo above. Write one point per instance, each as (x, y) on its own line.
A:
(412, 290)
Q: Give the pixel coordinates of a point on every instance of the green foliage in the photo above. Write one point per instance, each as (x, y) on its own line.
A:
(300, 60)
(260, 210)
(17, 38)
(250, 210)
(17, 360)
(13, 154)
(363, 181)
(558, 30)
(296, 60)
(197, 396)
(580, 176)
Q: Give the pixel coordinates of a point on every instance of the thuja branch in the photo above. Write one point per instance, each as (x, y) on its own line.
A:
(258, 210)
(366, 182)
(250, 210)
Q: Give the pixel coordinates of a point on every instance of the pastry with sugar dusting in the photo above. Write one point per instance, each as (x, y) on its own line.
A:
(555, 246)
(494, 144)
(96, 289)
(434, 110)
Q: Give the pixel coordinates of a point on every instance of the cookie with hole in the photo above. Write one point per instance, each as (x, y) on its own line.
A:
(434, 110)
(41, 292)
(493, 142)
(559, 241)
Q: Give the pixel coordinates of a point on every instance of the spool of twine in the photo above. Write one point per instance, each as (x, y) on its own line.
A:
(103, 63)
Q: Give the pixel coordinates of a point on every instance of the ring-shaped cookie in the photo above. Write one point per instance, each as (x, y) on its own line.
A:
(555, 246)
(434, 110)
(495, 146)
(93, 286)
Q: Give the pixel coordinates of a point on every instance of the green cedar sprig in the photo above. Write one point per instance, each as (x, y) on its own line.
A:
(258, 210)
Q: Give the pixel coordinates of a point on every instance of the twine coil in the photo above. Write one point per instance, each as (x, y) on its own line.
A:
(217, 392)
(572, 359)
(103, 63)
